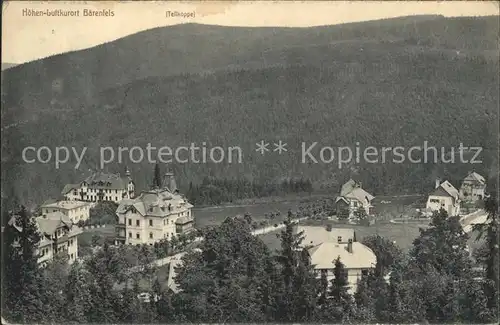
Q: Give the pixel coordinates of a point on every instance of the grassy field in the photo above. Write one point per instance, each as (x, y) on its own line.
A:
(86, 237)
(216, 215)
(389, 207)
(402, 234)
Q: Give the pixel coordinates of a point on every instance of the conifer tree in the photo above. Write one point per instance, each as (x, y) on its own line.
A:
(340, 304)
(77, 294)
(22, 282)
(490, 231)
(157, 176)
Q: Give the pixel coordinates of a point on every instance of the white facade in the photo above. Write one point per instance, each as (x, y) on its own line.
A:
(152, 216)
(353, 197)
(101, 187)
(446, 197)
(75, 210)
(357, 259)
(473, 188)
(58, 235)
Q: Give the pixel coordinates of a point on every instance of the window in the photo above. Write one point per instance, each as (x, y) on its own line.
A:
(151, 223)
(150, 235)
(339, 239)
(137, 223)
(130, 222)
(137, 236)
(71, 256)
(129, 235)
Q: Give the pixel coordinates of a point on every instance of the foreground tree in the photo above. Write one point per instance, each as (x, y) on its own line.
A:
(22, 277)
(297, 288)
(442, 247)
(489, 231)
(340, 303)
(108, 269)
(157, 177)
(386, 251)
(227, 280)
(78, 299)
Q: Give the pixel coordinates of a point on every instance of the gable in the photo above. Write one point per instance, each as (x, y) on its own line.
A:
(440, 192)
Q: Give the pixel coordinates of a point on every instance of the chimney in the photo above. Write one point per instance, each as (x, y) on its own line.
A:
(438, 182)
(169, 182)
(349, 246)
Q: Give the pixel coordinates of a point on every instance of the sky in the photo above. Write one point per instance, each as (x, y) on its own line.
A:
(27, 38)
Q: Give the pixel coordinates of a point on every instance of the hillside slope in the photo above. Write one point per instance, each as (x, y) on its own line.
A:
(376, 83)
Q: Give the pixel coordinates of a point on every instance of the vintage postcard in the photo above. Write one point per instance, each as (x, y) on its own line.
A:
(250, 162)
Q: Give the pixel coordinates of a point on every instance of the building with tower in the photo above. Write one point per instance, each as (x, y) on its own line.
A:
(101, 187)
(159, 213)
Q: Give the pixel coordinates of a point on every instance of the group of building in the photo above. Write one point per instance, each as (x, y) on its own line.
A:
(323, 246)
(447, 197)
(163, 213)
(353, 198)
(153, 215)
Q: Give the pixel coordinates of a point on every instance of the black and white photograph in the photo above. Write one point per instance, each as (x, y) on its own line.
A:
(327, 162)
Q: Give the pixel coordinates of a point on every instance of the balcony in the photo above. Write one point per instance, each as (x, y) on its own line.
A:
(61, 239)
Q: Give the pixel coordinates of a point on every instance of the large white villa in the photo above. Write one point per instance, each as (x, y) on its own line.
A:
(156, 214)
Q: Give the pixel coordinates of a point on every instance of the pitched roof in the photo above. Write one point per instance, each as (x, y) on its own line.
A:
(323, 256)
(475, 177)
(352, 190)
(108, 181)
(347, 187)
(155, 203)
(315, 235)
(183, 220)
(360, 195)
(48, 223)
(66, 205)
(68, 188)
(446, 189)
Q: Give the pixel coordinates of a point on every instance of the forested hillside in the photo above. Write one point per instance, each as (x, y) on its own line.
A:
(387, 83)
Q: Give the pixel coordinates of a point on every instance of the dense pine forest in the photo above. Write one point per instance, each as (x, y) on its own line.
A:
(384, 83)
(234, 277)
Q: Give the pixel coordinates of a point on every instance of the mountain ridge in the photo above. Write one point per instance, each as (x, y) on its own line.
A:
(380, 86)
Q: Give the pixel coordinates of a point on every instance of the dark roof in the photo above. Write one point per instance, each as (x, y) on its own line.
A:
(183, 220)
(69, 187)
(109, 181)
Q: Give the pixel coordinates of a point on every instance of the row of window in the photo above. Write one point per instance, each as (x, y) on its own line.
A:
(138, 222)
(95, 190)
(151, 236)
(94, 198)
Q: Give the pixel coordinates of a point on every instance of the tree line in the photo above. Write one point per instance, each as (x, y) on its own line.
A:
(234, 277)
(214, 191)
